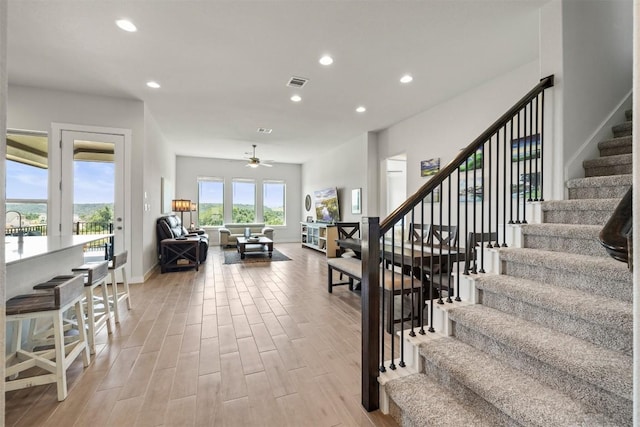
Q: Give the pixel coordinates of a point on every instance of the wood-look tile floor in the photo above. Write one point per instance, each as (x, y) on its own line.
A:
(259, 344)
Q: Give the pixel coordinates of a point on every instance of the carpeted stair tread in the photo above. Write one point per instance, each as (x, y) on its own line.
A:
(569, 238)
(425, 402)
(597, 267)
(607, 369)
(609, 165)
(607, 186)
(580, 204)
(601, 181)
(564, 230)
(523, 399)
(599, 275)
(622, 145)
(579, 211)
(623, 129)
(608, 161)
(596, 309)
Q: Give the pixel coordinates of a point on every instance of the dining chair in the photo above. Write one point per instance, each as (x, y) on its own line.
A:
(347, 230)
(475, 241)
(445, 236)
(419, 232)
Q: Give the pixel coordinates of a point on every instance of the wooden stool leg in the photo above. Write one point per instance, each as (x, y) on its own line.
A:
(82, 334)
(61, 371)
(125, 282)
(114, 295)
(91, 320)
(105, 300)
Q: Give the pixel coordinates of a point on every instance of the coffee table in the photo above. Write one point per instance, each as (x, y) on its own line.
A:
(257, 245)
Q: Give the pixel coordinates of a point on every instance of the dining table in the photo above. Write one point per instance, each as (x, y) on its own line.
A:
(414, 257)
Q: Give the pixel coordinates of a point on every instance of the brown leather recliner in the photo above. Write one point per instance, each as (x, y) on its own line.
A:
(170, 227)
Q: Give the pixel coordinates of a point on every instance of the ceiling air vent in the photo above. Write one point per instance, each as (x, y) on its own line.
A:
(264, 130)
(297, 82)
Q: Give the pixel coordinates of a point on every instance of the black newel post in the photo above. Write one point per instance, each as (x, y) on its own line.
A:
(370, 295)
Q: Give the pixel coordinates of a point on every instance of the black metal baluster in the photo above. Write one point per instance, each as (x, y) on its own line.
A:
(413, 302)
(537, 153)
(525, 173)
(511, 173)
(482, 208)
(453, 244)
(506, 193)
(422, 275)
(431, 328)
(475, 218)
(381, 325)
(531, 152)
(463, 193)
(541, 145)
(518, 170)
(497, 244)
(402, 239)
(440, 253)
(391, 308)
(458, 249)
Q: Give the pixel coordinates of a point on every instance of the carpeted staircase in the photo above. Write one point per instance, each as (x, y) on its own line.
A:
(550, 342)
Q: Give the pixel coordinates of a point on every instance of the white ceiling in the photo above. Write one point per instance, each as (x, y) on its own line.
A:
(224, 65)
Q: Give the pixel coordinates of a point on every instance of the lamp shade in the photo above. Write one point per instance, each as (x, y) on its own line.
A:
(180, 205)
(194, 206)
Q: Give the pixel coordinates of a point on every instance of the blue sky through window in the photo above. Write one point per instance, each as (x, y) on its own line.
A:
(93, 182)
(25, 182)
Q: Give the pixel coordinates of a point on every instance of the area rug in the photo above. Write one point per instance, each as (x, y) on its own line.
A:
(233, 257)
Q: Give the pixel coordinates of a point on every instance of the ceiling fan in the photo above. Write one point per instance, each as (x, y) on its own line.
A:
(254, 162)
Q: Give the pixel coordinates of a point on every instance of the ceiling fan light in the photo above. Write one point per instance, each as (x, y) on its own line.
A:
(253, 164)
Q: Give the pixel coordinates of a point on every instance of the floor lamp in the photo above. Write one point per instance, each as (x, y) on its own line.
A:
(182, 206)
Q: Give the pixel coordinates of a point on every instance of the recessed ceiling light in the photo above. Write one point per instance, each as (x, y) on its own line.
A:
(326, 60)
(154, 85)
(406, 79)
(361, 109)
(126, 25)
(296, 98)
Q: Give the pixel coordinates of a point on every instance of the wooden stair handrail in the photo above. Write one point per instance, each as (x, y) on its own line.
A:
(615, 235)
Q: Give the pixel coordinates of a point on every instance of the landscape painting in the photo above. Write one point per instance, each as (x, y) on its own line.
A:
(471, 191)
(525, 148)
(429, 167)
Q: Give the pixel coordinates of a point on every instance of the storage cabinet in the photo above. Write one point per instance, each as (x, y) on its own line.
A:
(319, 236)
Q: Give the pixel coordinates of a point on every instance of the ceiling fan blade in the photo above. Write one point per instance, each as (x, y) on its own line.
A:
(266, 164)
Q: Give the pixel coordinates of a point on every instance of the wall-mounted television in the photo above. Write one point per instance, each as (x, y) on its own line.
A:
(326, 202)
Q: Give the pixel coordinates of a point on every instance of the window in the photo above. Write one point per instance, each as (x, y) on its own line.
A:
(244, 201)
(273, 203)
(27, 178)
(210, 201)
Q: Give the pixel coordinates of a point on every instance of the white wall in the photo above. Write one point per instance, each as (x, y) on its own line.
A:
(188, 169)
(346, 167)
(35, 109)
(597, 64)
(159, 162)
(442, 131)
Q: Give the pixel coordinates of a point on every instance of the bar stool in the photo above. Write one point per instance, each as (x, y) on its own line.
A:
(97, 307)
(51, 306)
(119, 262)
(44, 337)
